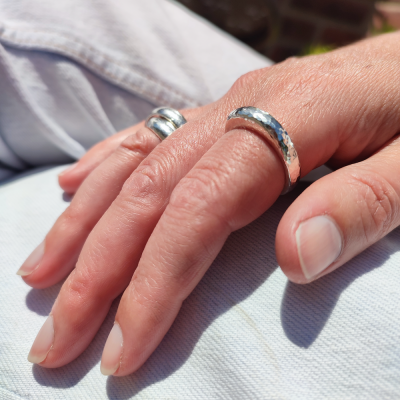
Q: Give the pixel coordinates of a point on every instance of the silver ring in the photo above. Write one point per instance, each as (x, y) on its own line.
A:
(164, 121)
(257, 120)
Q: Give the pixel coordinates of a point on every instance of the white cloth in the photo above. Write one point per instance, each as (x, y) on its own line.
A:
(245, 332)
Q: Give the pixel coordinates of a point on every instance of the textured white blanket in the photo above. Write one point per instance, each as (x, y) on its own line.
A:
(71, 73)
(244, 333)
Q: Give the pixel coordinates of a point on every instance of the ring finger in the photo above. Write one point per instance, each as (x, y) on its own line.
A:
(103, 272)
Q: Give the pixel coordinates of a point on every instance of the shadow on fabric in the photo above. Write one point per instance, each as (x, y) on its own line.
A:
(72, 373)
(304, 312)
(41, 302)
(20, 175)
(244, 264)
(226, 284)
(306, 308)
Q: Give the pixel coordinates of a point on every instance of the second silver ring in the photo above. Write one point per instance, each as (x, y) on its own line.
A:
(163, 121)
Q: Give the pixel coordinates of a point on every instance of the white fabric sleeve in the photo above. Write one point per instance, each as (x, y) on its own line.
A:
(73, 72)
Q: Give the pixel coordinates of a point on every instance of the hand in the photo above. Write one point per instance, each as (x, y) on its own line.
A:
(149, 218)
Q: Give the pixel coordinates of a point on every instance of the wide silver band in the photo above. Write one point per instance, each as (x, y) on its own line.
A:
(267, 126)
(164, 121)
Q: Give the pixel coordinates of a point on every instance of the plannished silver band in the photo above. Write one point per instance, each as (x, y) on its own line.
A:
(267, 126)
(164, 121)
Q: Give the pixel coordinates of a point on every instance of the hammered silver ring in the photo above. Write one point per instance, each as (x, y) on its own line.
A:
(163, 121)
(265, 125)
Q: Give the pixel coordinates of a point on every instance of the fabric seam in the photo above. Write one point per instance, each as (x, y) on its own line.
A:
(49, 46)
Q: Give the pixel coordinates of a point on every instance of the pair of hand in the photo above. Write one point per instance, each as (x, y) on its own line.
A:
(148, 218)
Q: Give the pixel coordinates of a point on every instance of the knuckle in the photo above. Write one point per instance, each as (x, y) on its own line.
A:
(201, 190)
(245, 81)
(76, 290)
(153, 170)
(199, 205)
(72, 215)
(80, 297)
(140, 143)
(145, 187)
(378, 204)
(71, 218)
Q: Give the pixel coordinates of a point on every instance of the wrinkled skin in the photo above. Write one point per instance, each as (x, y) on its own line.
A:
(148, 218)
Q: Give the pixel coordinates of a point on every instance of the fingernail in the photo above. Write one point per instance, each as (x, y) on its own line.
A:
(111, 357)
(43, 342)
(69, 169)
(32, 262)
(319, 244)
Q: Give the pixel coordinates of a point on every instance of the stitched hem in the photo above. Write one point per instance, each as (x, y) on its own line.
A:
(115, 72)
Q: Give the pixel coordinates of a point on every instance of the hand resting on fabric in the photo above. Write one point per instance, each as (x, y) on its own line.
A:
(148, 218)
